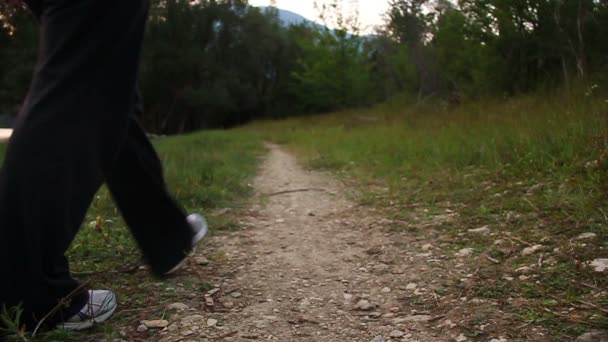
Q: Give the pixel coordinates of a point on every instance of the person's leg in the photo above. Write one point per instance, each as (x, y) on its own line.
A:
(69, 132)
(137, 185)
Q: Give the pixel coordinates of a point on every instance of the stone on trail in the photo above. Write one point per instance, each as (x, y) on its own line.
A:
(485, 230)
(397, 334)
(156, 324)
(202, 261)
(461, 338)
(364, 305)
(378, 339)
(599, 265)
(194, 319)
(142, 328)
(465, 252)
(593, 336)
(386, 290)
(532, 250)
(586, 236)
(211, 322)
(178, 307)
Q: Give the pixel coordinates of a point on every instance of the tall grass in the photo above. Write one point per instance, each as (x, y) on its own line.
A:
(530, 139)
(533, 168)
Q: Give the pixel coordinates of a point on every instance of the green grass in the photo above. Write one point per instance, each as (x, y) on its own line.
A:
(205, 171)
(534, 167)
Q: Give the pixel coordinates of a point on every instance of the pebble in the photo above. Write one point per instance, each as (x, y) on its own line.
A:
(485, 230)
(465, 252)
(236, 294)
(155, 324)
(386, 290)
(524, 270)
(396, 334)
(532, 250)
(599, 265)
(461, 338)
(586, 236)
(378, 339)
(500, 339)
(193, 319)
(364, 305)
(593, 336)
(211, 322)
(178, 307)
(142, 328)
(411, 286)
(202, 261)
(427, 247)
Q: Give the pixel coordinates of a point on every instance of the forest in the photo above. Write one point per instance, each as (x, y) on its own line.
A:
(222, 63)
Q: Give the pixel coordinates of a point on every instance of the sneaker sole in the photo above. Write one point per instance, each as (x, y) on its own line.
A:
(90, 323)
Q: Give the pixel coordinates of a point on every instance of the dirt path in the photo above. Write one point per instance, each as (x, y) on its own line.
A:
(312, 265)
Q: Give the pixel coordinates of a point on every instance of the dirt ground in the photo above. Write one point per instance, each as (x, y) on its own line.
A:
(309, 264)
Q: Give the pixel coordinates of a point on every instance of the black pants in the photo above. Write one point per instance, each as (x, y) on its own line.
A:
(76, 131)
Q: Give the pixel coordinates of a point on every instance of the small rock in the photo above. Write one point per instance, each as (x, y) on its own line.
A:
(593, 336)
(142, 328)
(348, 296)
(524, 270)
(211, 322)
(212, 292)
(209, 301)
(374, 251)
(375, 315)
(419, 318)
(378, 339)
(155, 324)
(447, 324)
(193, 319)
(202, 261)
(364, 305)
(586, 236)
(173, 327)
(599, 265)
(485, 230)
(178, 307)
(396, 334)
(236, 294)
(386, 290)
(500, 339)
(461, 338)
(499, 242)
(465, 252)
(532, 250)
(411, 286)
(427, 247)
(186, 333)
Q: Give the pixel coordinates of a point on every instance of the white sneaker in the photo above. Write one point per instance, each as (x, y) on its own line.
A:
(200, 228)
(99, 308)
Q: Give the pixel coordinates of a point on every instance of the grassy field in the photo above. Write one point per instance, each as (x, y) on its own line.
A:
(533, 169)
(206, 171)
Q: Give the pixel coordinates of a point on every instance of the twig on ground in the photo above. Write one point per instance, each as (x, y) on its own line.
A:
(292, 191)
(57, 307)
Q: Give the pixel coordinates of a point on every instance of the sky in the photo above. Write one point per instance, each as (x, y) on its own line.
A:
(371, 12)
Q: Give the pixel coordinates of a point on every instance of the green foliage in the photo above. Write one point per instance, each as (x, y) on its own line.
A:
(220, 63)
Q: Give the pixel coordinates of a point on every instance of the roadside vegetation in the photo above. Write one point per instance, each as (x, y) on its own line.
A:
(529, 171)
